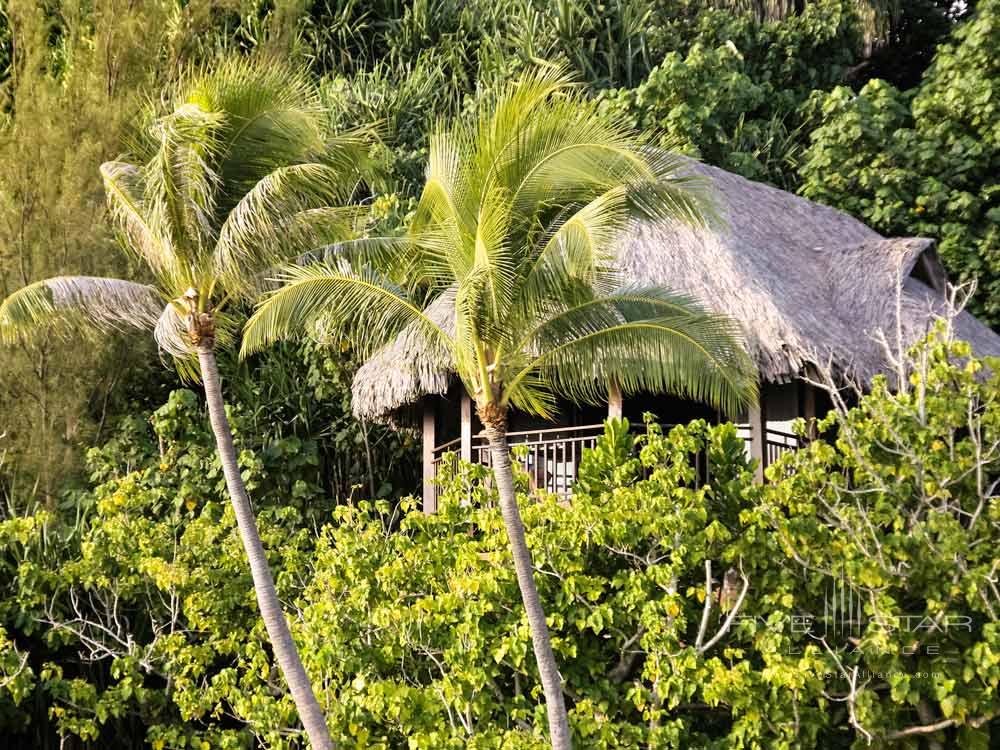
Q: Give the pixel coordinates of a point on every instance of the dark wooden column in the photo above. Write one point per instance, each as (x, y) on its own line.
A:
(466, 446)
(430, 496)
(758, 435)
(807, 404)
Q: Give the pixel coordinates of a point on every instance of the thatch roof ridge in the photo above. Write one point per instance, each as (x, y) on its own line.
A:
(406, 370)
(809, 285)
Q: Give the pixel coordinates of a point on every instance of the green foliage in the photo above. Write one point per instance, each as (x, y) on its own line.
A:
(924, 162)
(65, 108)
(406, 619)
(897, 514)
(513, 233)
(142, 579)
(83, 72)
(902, 508)
(731, 96)
(409, 619)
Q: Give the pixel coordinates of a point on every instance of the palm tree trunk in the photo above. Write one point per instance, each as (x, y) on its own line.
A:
(285, 652)
(555, 705)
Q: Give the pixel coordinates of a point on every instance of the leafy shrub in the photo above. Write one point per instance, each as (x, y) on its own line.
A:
(924, 162)
(895, 516)
(731, 94)
(138, 618)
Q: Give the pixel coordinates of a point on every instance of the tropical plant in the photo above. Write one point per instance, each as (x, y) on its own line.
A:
(239, 174)
(923, 162)
(509, 268)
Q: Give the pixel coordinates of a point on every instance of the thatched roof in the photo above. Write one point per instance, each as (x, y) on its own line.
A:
(809, 284)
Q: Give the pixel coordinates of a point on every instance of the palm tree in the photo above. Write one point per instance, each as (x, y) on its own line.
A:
(514, 233)
(240, 175)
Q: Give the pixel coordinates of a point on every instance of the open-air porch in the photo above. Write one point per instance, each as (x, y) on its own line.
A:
(810, 287)
(552, 452)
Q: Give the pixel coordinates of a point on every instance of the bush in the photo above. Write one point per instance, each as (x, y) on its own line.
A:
(854, 595)
(924, 162)
(419, 640)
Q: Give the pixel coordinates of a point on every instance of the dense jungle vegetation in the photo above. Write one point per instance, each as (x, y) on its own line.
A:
(126, 614)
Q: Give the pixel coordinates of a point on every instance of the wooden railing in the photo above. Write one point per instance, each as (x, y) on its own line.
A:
(552, 456)
(779, 443)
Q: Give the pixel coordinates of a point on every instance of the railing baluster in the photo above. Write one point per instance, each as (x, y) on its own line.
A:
(576, 466)
(552, 456)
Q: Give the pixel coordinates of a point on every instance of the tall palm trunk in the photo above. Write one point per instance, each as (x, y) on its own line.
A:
(496, 433)
(285, 652)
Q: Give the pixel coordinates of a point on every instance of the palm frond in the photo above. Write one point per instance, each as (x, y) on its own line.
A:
(489, 287)
(349, 152)
(171, 333)
(69, 302)
(181, 185)
(646, 340)
(334, 302)
(577, 248)
(124, 186)
(172, 338)
(574, 151)
(289, 211)
(673, 193)
(273, 117)
(500, 121)
(443, 198)
(520, 215)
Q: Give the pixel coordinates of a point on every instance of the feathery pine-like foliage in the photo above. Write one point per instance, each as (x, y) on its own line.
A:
(240, 175)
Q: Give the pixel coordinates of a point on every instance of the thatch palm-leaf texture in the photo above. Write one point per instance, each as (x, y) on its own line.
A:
(240, 176)
(513, 234)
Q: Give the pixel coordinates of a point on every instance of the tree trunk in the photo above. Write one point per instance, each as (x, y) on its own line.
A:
(546, 660)
(285, 652)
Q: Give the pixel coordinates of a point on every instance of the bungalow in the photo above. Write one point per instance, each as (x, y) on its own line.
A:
(810, 285)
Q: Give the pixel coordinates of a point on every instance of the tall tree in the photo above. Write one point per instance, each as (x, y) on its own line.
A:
(241, 173)
(513, 239)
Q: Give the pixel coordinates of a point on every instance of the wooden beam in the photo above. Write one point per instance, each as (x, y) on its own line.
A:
(758, 435)
(466, 448)
(615, 401)
(430, 495)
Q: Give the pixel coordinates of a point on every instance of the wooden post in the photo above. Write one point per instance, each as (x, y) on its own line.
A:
(430, 494)
(466, 448)
(758, 436)
(615, 401)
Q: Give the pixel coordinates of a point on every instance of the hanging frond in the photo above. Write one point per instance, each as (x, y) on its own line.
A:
(171, 333)
(172, 339)
(145, 239)
(336, 302)
(645, 340)
(291, 210)
(69, 302)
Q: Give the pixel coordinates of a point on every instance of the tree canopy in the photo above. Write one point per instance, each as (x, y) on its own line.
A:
(126, 609)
